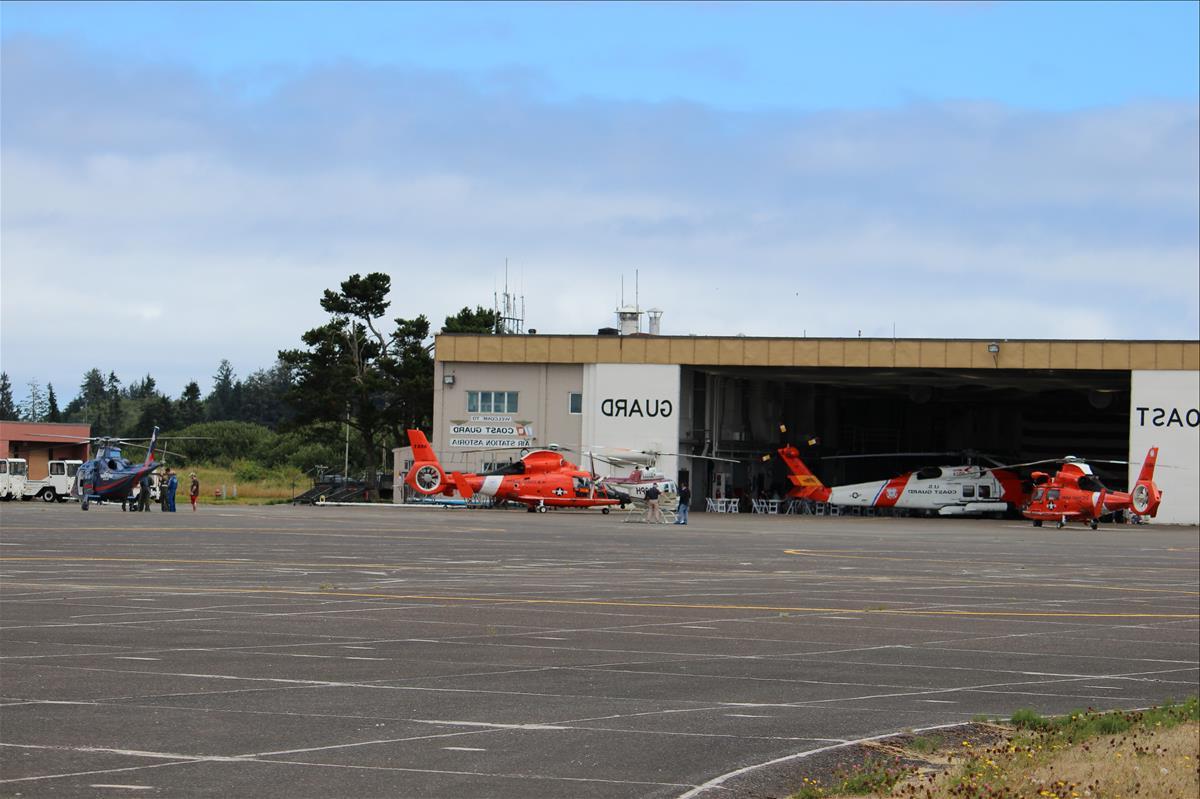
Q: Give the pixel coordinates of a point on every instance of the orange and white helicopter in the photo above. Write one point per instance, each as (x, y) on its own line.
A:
(1075, 493)
(541, 479)
(963, 490)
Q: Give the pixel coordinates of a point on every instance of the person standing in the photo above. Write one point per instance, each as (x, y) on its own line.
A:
(194, 491)
(172, 487)
(144, 496)
(685, 499)
(653, 512)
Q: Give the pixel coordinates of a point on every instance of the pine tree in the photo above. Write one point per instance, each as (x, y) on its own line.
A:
(52, 412)
(190, 411)
(8, 408)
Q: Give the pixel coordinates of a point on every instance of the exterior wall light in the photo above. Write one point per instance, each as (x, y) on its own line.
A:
(448, 380)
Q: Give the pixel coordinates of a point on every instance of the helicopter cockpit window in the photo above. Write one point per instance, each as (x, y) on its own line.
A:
(1089, 482)
(985, 492)
(1053, 494)
(1037, 495)
(929, 473)
(582, 482)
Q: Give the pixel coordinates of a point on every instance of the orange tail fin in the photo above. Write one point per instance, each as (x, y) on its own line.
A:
(1146, 496)
(426, 475)
(805, 484)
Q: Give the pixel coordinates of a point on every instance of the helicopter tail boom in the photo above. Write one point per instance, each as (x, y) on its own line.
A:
(1146, 496)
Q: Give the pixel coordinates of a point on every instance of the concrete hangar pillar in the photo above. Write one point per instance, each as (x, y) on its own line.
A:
(906, 403)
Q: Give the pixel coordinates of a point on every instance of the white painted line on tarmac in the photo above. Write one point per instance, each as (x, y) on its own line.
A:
(122, 787)
(490, 726)
(130, 657)
(463, 749)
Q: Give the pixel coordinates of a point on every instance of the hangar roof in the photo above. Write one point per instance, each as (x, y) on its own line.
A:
(831, 352)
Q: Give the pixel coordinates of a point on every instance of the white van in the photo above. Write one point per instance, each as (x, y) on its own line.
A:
(57, 485)
(12, 478)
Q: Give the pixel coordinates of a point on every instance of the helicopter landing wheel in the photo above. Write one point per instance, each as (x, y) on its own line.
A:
(1094, 524)
(1059, 525)
(1037, 522)
(604, 511)
(83, 504)
(541, 509)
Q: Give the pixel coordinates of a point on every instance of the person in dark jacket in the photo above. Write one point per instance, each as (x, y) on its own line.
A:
(685, 499)
(653, 512)
(172, 487)
(144, 496)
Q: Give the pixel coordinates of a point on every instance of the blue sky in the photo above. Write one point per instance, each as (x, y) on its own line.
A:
(204, 171)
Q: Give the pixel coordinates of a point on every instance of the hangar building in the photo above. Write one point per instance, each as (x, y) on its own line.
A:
(905, 402)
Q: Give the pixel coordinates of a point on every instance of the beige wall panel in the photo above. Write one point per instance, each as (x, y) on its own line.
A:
(707, 351)
(465, 349)
(490, 349)
(981, 358)
(779, 352)
(958, 354)
(585, 350)
(933, 354)
(1037, 355)
(731, 352)
(908, 353)
(1170, 355)
(832, 352)
(443, 348)
(608, 349)
(1191, 355)
(1089, 355)
(683, 350)
(633, 349)
(807, 352)
(658, 350)
(857, 352)
(537, 349)
(1062, 354)
(1142, 355)
(755, 352)
(1011, 355)
(881, 353)
(560, 350)
(1115, 355)
(512, 348)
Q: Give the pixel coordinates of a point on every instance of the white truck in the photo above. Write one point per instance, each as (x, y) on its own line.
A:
(12, 478)
(58, 484)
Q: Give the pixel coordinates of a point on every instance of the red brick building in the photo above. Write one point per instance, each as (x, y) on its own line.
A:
(39, 443)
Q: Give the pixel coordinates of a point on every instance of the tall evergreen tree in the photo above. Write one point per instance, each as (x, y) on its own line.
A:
(52, 412)
(348, 371)
(190, 410)
(8, 408)
(220, 404)
(112, 413)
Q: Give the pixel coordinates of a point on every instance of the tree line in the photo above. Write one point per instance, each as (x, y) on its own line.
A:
(359, 369)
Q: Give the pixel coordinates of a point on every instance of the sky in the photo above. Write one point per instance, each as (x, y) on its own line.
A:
(179, 182)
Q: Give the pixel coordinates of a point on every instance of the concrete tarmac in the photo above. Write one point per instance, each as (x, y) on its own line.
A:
(384, 652)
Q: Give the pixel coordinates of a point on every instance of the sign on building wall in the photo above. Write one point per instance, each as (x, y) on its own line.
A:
(490, 430)
(632, 406)
(1164, 412)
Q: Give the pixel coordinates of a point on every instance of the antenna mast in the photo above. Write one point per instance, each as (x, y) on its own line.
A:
(510, 309)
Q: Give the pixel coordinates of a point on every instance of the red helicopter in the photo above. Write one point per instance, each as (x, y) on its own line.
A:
(1075, 493)
(541, 479)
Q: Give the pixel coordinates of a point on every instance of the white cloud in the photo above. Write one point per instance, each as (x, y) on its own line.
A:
(130, 192)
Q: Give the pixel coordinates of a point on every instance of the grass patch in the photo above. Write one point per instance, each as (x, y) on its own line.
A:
(1084, 755)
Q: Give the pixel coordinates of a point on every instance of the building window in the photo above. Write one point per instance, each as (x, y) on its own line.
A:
(575, 402)
(491, 402)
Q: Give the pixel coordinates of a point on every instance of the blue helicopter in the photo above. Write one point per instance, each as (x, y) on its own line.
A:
(109, 476)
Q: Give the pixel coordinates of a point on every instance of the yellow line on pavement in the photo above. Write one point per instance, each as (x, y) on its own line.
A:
(604, 602)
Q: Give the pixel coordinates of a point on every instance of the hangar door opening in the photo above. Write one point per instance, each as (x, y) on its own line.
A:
(903, 419)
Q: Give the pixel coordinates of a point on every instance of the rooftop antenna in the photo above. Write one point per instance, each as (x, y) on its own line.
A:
(510, 309)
